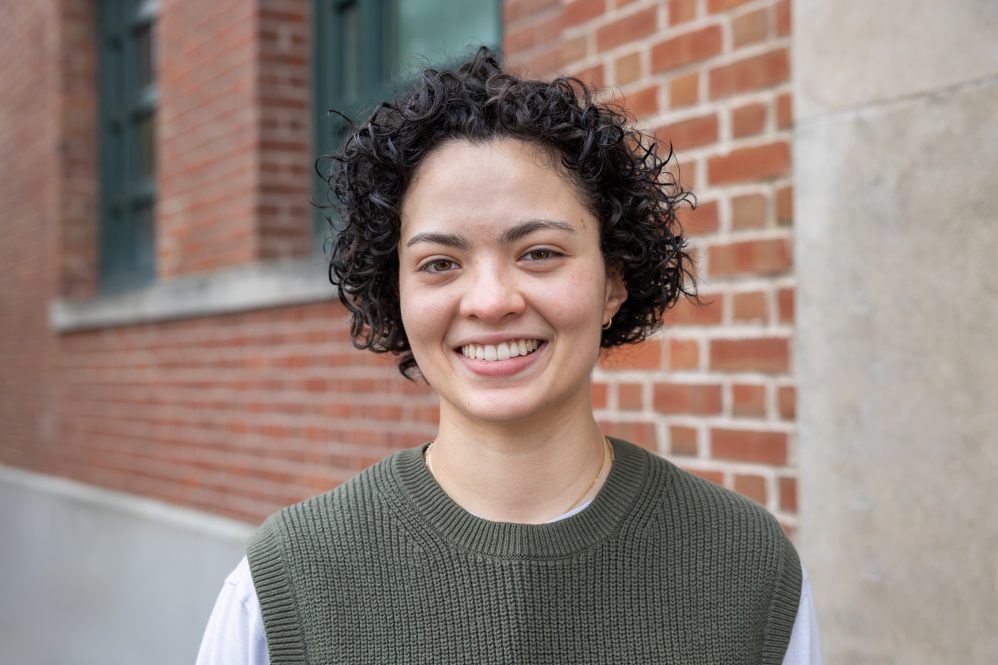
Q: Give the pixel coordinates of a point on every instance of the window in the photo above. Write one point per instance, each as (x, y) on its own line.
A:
(127, 143)
(365, 47)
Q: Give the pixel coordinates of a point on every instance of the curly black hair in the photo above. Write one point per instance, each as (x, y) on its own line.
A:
(617, 170)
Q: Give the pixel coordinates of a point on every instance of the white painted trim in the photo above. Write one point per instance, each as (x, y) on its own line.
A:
(254, 286)
(128, 504)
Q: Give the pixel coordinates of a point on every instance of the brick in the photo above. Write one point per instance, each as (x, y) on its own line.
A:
(703, 219)
(714, 476)
(683, 173)
(591, 76)
(748, 120)
(581, 11)
(783, 18)
(748, 212)
(785, 206)
(755, 73)
(749, 446)
(750, 28)
(788, 494)
(573, 50)
(691, 133)
(748, 401)
(686, 312)
(628, 29)
(640, 433)
(684, 354)
(681, 11)
(641, 103)
(784, 112)
(684, 90)
(715, 6)
(517, 10)
(695, 399)
(761, 257)
(786, 400)
(686, 49)
(627, 69)
(683, 440)
(751, 486)
(749, 307)
(644, 355)
(747, 164)
(785, 305)
(600, 394)
(629, 396)
(769, 355)
(531, 33)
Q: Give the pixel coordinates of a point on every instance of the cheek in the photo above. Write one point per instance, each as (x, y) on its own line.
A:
(423, 315)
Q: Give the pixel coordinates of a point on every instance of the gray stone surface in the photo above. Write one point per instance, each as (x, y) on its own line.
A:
(226, 291)
(897, 255)
(849, 53)
(92, 577)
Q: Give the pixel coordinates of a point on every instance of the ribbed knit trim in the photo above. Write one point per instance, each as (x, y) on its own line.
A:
(285, 641)
(783, 608)
(423, 497)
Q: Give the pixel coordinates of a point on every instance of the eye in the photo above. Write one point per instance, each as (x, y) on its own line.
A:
(438, 265)
(541, 254)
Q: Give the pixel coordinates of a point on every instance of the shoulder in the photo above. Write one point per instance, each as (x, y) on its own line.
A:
(342, 509)
(702, 505)
(704, 517)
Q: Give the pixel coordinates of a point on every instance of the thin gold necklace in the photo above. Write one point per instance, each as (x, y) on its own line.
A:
(606, 446)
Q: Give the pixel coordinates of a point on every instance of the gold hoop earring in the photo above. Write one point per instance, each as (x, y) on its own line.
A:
(606, 326)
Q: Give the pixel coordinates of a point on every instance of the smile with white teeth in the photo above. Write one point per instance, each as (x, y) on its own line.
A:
(500, 351)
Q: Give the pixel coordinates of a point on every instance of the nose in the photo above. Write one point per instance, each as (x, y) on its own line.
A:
(492, 294)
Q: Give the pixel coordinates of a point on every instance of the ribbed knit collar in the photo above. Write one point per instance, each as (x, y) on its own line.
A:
(431, 506)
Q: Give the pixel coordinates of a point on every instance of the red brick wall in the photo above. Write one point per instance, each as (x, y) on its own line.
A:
(715, 392)
(242, 413)
(238, 414)
(30, 113)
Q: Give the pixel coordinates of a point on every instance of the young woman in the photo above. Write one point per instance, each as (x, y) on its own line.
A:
(499, 233)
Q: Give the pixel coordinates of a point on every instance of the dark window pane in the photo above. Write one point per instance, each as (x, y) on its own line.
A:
(147, 145)
(349, 40)
(144, 235)
(146, 55)
(127, 71)
(435, 32)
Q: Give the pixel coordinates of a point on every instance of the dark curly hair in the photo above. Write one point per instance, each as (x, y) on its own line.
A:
(617, 170)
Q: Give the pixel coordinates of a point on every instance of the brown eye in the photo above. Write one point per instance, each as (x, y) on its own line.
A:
(438, 265)
(540, 255)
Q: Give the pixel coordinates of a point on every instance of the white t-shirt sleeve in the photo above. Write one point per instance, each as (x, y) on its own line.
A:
(235, 635)
(805, 644)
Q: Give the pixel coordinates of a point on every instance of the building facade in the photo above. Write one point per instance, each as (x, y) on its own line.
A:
(174, 362)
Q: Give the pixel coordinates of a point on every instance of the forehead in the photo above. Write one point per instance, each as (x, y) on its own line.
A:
(489, 185)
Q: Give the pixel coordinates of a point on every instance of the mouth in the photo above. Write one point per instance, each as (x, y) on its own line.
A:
(501, 351)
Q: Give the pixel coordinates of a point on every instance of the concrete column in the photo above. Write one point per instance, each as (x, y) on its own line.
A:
(896, 193)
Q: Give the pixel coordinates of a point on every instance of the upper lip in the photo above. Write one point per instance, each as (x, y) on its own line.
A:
(495, 338)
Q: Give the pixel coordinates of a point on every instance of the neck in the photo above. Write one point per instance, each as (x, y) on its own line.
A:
(520, 472)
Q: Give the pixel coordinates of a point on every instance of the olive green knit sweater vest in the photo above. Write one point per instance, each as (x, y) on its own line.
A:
(661, 567)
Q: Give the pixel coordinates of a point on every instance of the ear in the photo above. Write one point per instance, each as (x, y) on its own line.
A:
(616, 294)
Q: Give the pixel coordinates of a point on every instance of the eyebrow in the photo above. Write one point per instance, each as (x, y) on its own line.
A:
(445, 239)
(508, 236)
(528, 227)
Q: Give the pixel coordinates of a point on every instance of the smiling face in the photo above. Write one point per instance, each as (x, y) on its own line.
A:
(502, 284)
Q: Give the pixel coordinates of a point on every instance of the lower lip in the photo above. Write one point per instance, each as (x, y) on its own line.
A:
(501, 367)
